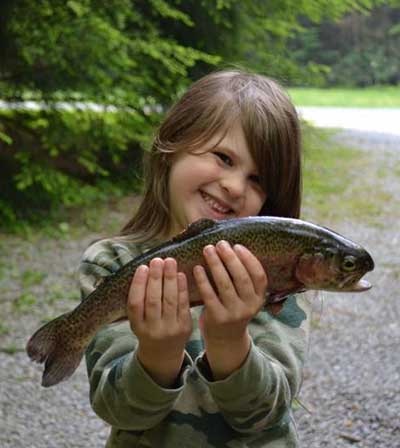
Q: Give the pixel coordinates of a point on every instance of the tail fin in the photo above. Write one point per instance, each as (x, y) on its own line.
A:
(51, 345)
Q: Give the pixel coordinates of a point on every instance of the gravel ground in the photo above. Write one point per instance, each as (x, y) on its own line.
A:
(352, 386)
(352, 378)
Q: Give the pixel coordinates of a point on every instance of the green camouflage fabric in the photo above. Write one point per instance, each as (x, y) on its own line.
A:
(250, 408)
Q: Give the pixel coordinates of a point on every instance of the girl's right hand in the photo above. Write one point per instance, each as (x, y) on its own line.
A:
(159, 314)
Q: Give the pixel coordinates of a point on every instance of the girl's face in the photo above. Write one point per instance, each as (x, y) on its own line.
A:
(215, 182)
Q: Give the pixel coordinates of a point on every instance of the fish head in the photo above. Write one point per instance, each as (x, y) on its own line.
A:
(335, 268)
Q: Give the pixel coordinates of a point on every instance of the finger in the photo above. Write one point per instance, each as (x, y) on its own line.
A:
(206, 291)
(239, 274)
(226, 290)
(170, 289)
(183, 297)
(152, 307)
(136, 295)
(254, 268)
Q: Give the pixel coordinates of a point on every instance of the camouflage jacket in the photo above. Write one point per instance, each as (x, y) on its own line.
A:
(250, 408)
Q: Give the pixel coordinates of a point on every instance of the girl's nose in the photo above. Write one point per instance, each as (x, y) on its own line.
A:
(234, 184)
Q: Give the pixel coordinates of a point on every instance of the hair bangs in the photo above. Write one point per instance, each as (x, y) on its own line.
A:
(200, 119)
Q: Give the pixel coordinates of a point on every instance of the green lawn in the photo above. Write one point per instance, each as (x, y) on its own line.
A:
(385, 96)
(345, 183)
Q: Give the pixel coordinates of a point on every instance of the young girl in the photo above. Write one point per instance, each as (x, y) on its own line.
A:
(223, 374)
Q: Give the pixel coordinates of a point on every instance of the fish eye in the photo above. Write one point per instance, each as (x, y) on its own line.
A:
(349, 263)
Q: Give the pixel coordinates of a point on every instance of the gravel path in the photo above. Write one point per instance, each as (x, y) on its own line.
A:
(352, 384)
(352, 377)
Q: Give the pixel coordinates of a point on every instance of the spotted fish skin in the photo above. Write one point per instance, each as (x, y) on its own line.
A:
(296, 255)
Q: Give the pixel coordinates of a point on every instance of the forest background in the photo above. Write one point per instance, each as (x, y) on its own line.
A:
(84, 83)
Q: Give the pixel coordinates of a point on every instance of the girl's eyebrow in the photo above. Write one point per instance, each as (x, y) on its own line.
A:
(228, 149)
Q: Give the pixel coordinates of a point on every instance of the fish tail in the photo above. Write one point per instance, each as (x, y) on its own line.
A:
(49, 346)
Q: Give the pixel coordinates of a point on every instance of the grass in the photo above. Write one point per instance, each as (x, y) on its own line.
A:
(25, 302)
(383, 96)
(30, 278)
(57, 291)
(343, 183)
(102, 218)
(11, 349)
(4, 329)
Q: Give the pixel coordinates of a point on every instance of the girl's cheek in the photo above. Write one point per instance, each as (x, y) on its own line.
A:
(257, 201)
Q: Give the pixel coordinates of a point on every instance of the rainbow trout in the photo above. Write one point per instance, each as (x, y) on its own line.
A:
(297, 256)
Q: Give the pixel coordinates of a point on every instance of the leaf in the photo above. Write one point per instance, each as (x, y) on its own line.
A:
(6, 138)
(165, 10)
(78, 8)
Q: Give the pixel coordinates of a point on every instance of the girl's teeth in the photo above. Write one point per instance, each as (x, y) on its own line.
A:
(215, 205)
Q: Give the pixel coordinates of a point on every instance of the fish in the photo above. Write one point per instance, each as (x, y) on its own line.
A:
(297, 256)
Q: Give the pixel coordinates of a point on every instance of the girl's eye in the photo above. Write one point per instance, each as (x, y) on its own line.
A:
(225, 158)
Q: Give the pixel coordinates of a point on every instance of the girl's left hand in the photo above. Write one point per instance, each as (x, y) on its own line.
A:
(239, 294)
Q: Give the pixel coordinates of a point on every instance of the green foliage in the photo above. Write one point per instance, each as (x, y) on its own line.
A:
(255, 34)
(376, 64)
(64, 55)
(93, 47)
(359, 50)
(136, 56)
(67, 157)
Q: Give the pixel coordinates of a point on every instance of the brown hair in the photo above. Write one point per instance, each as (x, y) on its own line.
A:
(211, 105)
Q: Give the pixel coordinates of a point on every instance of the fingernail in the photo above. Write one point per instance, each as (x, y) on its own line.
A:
(169, 264)
(223, 244)
(198, 270)
(142, 269)
(209, 250)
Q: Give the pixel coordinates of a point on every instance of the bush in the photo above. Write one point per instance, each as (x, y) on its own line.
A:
(54, 157)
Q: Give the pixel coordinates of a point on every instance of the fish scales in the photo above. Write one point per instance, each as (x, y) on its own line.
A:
(296, 255)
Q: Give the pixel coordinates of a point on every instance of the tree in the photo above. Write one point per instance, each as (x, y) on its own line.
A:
(89, 51)
(358, 50)
(136, 55)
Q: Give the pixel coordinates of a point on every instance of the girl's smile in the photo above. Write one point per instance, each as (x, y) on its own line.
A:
(217, 206)
(217, 181)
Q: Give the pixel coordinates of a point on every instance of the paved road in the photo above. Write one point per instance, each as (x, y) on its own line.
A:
(386, 121)
(381, 120)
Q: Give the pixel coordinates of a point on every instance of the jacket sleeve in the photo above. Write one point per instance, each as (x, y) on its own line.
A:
(258, 396)
(121, 391)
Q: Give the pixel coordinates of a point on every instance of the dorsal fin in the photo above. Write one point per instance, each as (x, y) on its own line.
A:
(195, 228)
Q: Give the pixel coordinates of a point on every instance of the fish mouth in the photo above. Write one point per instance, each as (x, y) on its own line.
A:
(360, 286)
